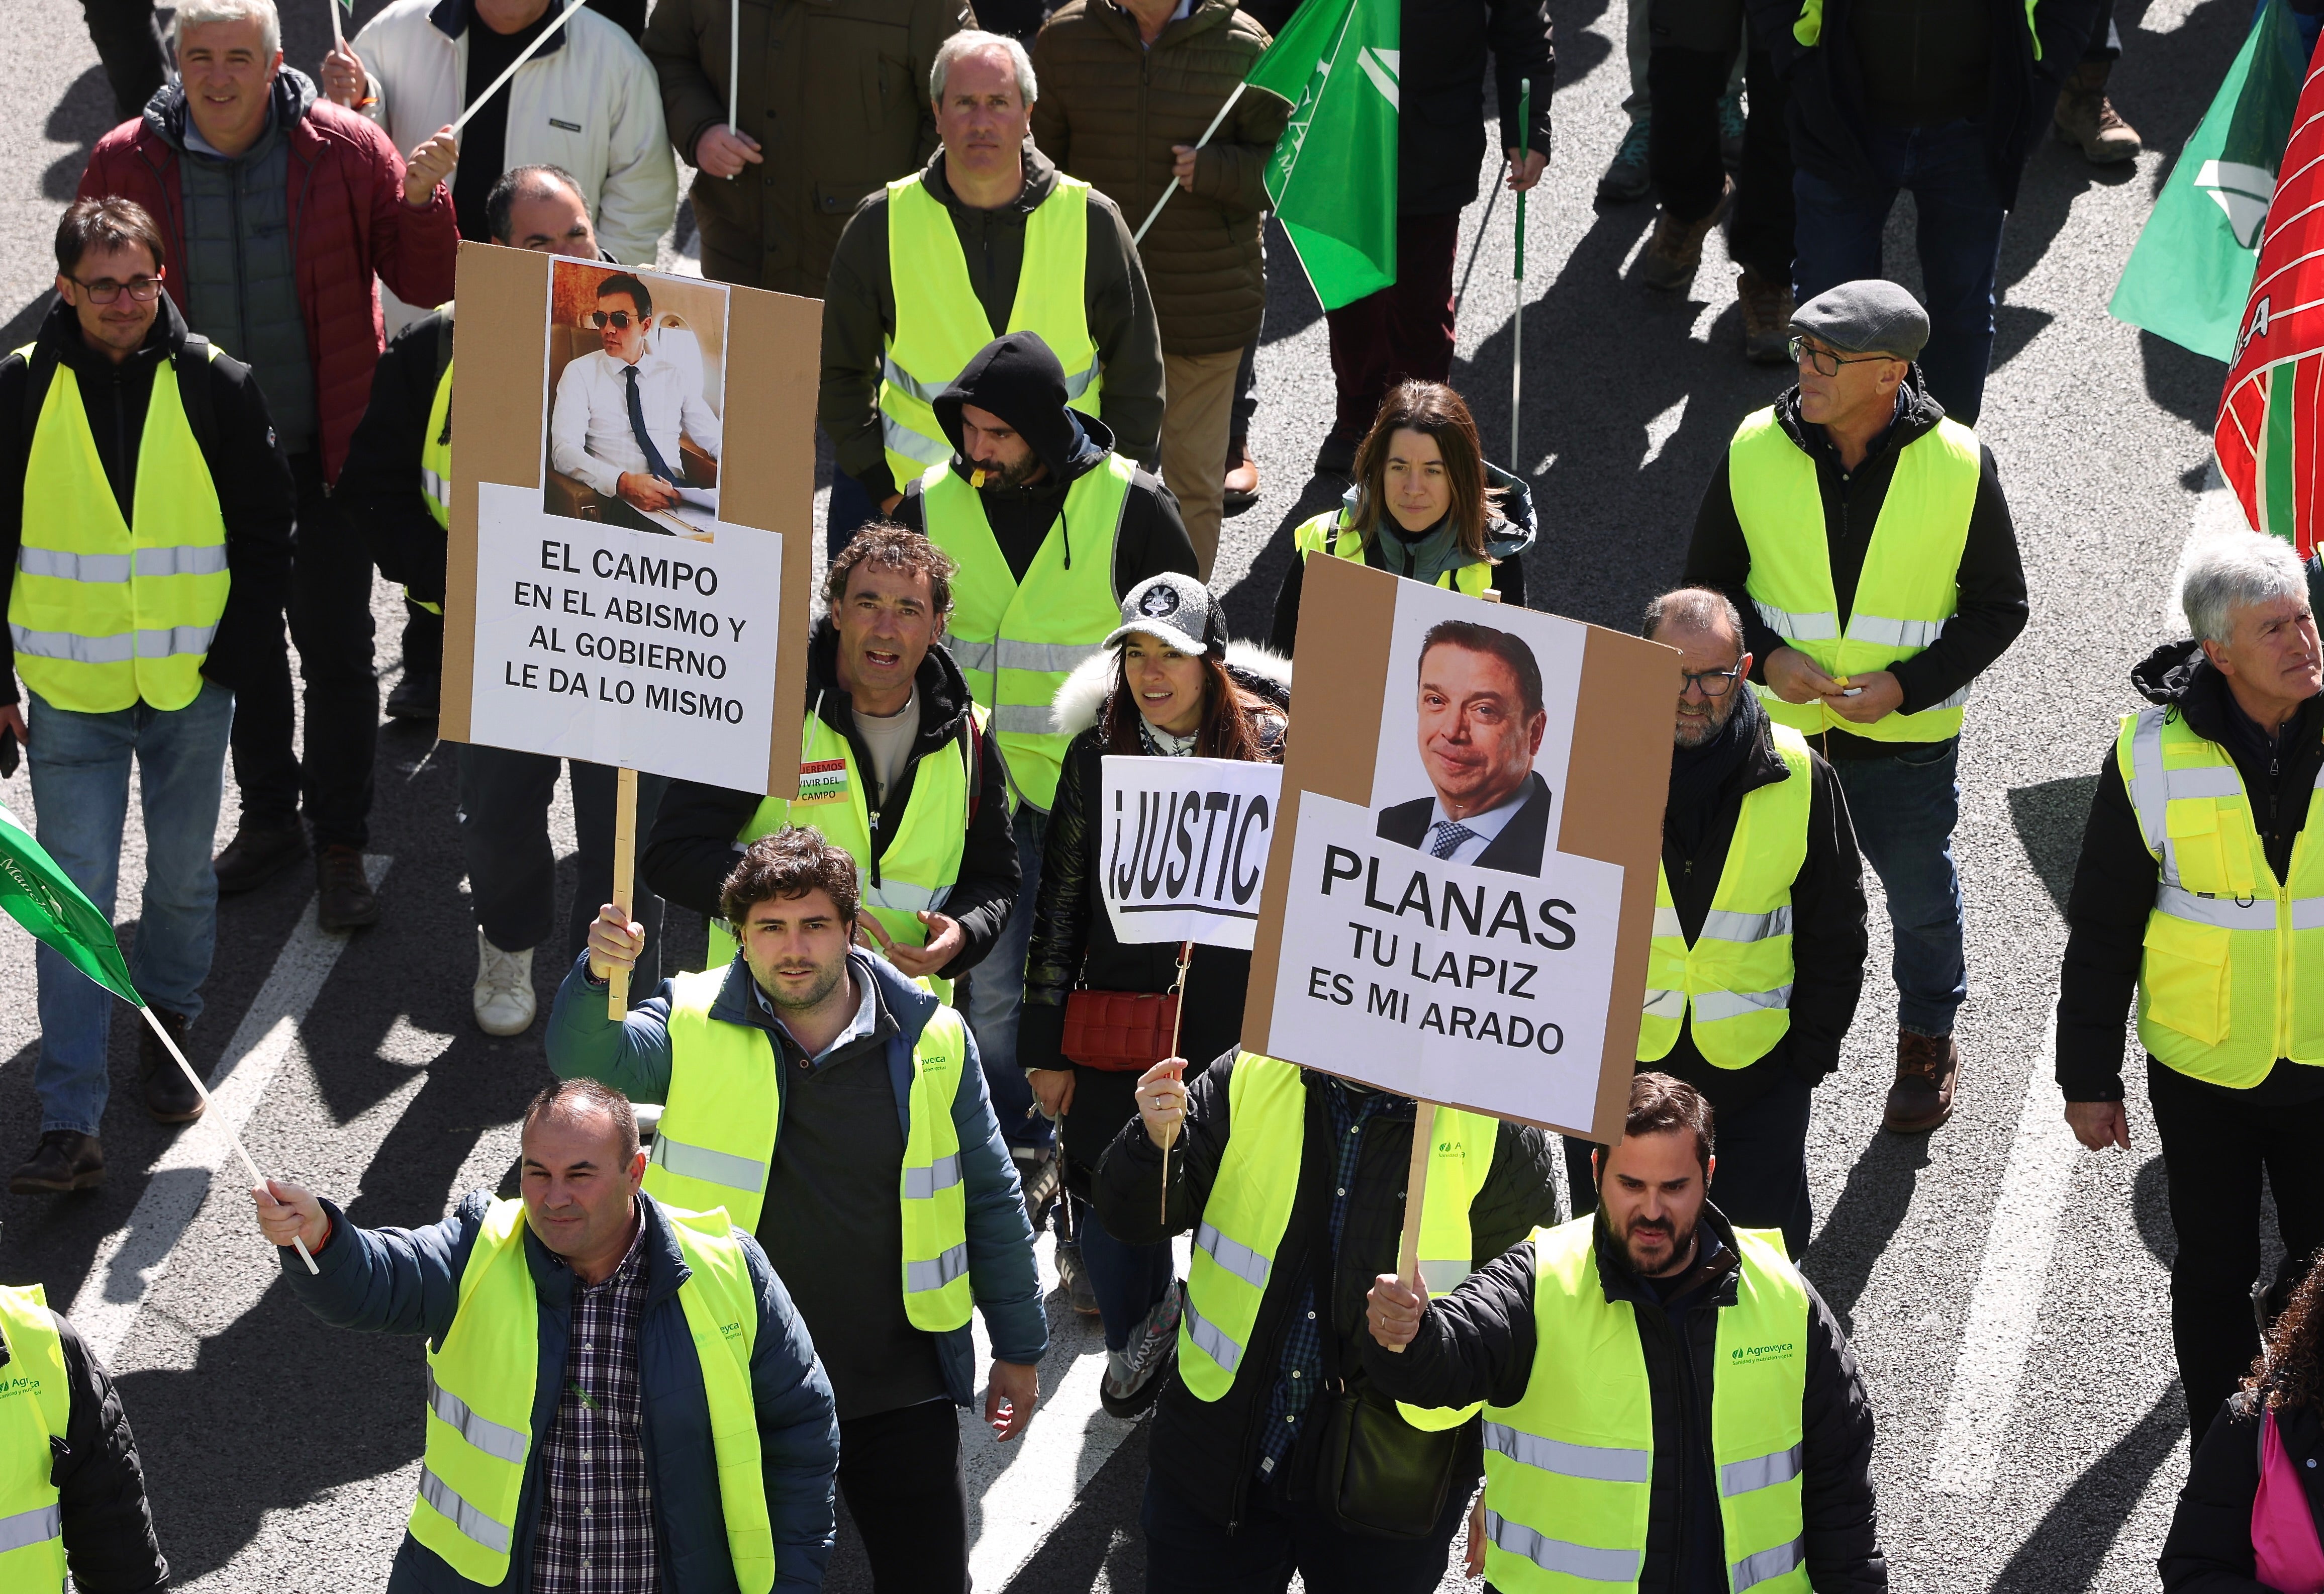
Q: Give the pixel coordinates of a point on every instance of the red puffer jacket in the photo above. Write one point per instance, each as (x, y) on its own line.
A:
(348, 216)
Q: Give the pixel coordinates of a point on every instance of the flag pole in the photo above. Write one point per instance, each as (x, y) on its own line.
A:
(625, 838)
(495, 87)
(256, 1177)
(339, 39)
(735, 70)
(1170, 1135)
(1171, 187)
(1516, 331)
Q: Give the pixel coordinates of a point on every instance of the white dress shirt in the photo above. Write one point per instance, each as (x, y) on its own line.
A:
(1486, 826)
(589, 435)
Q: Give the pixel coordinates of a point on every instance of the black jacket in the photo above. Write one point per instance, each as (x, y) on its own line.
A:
(1209, 1450)
(1828, 933)
(692, 848)
(1478, 1344)
(246, 466)
(2116, 880)
(108, 1530)
(379, 485)
(1516, 849)
(1992, 580)
(1074, 942)
(1441, 124)
(1829, 122)
(2210, 1549)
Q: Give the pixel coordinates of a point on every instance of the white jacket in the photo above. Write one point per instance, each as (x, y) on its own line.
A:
(587, 102)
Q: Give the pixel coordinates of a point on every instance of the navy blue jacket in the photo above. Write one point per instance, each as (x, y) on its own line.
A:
(633, 1057)
(407, 1281)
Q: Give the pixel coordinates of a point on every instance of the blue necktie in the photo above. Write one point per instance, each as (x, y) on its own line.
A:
(655, 464)
(1450, 835)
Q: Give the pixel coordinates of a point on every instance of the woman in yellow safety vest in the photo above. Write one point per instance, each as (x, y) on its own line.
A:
(1167, 683)
(1426, 504)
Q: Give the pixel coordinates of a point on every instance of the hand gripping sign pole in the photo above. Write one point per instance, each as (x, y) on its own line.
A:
(1170, 1134)
(1415, 1196)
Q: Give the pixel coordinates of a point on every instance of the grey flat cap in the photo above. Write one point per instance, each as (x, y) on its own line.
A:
(1871, 314)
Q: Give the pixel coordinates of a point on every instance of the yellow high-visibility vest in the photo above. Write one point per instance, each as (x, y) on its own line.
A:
(1334, 533)
(39, 1409)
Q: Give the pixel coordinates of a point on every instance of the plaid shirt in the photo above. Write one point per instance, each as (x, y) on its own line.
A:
(1301, 1366)
(597, 1527)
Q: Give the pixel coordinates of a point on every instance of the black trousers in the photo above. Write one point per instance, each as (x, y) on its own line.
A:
(1186, 1552)
(504, 798)
(2215, 1148)
(1684, 86)
(900, 1474)
(331, 623)
(128, 39)
(423, 643)
(1761, 1177)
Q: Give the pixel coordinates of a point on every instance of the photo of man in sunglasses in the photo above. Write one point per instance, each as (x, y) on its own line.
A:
(621, 410)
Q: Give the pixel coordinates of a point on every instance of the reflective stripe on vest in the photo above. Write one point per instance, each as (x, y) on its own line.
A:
(717, 1138)
(31, 1522)
(1332, 532)
(1568, 1469)
(1908, 588)
(1737, 976)
(435, 452)
(106, 613)
(1016, 643)
(941, 325)
(1248, 1211)
(2232, 973)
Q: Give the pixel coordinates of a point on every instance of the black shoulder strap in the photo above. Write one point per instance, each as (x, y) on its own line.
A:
(971, 758)
(194, 394)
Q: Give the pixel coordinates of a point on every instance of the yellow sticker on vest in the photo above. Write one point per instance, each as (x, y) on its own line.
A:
(823, 782)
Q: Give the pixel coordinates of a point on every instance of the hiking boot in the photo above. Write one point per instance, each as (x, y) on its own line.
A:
(1242, 478)
(415, 697)
(1674, 254)
(1626, 179)
(503, 998)
(257, 853)
(168, 1095)
(2085, 116)
(1073, 1277)
(1766, 319)
(65, 1159)
(343, 894)
(1133, 1374)
(1730, 130)
(1922, 1096)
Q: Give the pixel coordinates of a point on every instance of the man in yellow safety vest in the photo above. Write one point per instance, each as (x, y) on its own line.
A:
(988, 238)
(1863, 535)
(1758, 948)
(611, 1380)
(149, 509)
(834, 1108)
(2201, 883)
(1669, 1406)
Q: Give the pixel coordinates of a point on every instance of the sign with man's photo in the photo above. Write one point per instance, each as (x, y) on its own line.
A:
(1462, 890)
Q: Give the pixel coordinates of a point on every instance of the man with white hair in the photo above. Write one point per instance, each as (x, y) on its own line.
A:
(988, 239)
(2201, 882)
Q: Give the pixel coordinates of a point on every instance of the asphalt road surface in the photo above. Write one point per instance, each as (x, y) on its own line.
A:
(2006, 1291)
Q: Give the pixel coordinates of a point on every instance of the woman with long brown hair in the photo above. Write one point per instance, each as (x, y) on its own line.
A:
(1166, 684)
(1427, 505)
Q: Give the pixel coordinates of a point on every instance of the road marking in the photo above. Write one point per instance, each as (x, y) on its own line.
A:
(2020, 1238)
(131, 1260)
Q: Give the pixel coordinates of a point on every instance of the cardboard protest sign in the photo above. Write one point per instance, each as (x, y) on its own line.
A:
(1461, 892)
(632, 499)
(1185, 845)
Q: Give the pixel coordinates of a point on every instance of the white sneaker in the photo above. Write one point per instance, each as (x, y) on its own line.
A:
(503, 997)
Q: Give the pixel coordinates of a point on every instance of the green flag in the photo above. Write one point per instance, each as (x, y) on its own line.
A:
(2190, 273)
(1335, 191)
(40, 896)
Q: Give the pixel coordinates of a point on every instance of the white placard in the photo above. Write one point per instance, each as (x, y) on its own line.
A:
(1445, 982)
(1183, 847)
(626, 647)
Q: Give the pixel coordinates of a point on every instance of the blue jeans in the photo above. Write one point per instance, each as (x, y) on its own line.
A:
(1128, 1278)
(80, 802)
(1838, 240)
(996, 991)
(844, 516)
(1904, 808)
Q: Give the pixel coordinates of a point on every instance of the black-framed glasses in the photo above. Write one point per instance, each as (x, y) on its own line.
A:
(104, 290)
(1827, 362)
(1715, 683)
(618, 319)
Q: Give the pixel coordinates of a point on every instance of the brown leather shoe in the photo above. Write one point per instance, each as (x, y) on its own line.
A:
(257, 853)
(169, 1096)
(2085, 116)
(1922, 1096)
(1767, 318)
(1674, 254)
(65, 1159)
(1242, 478)
(343, 896)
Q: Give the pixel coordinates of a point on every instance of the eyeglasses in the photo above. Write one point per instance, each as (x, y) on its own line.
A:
(1715, 683)
(1826, 363)
(104, 290)
(619, 319)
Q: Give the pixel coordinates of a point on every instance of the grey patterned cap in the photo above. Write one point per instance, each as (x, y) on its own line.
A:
(1175, 608)
(1870, 315)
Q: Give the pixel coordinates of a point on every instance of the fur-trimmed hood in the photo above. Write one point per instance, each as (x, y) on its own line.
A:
(1075, 707)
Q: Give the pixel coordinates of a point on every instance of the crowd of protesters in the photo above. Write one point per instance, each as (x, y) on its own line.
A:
(238, 411)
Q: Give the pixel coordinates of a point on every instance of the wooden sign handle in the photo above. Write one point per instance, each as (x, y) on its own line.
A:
(625, 846)
(1170, 1135)
(1415, 1196)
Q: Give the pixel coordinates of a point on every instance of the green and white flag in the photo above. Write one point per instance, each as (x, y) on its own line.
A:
(41, 896)
(2190, 273)
(1333, 177)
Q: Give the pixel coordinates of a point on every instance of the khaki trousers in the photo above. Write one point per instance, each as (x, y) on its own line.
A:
(1198, 411)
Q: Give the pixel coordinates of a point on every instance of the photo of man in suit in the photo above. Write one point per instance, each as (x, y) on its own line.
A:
(620, 411)
(1482, 720)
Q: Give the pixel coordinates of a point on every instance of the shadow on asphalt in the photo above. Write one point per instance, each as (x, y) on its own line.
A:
(2067, 1548)
(2049, 819)
(1871, 1208)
